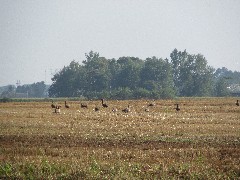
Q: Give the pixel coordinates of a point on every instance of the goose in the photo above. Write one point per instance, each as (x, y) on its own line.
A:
(104, 104)
(151, 104)
(57, 109)
(66, 105)
(237, 103)
(146, 110)
(53, 105)
(84, 105)
(126, 110)
(114, 110)
(177, 108)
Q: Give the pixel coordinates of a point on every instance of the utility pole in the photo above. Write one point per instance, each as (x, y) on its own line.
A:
(18, 83)
(45, 76)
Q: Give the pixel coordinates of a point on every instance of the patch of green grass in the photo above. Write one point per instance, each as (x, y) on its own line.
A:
(44, 170)
(119, 170)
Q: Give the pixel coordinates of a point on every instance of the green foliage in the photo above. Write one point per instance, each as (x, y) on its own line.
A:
(5, 99)
(44, 170)
(192, 75)
(38, 89)
(226, 82)
(122, 93)
(141, 93)
(97, 72)
(125, 78)
(221, 89)
(133, 78)
(65, 81)
(117, 170)
(35, 90)
(9, 92)
(6, 170)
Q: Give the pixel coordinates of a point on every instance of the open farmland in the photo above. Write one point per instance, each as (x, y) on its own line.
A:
(201, 141)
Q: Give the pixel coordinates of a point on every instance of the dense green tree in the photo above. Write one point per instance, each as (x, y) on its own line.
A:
(37, 89)
(221, 89)
(131, 77)
(23, 89)
(129, 74)
(141, 93)
(156, 75)
(64, 82)
(203, 77)
(114, 68)
(98, 74)
(192, 75)
(230, 76)
(122, 93)
(226, 82)
(9, 93)
(178, 59)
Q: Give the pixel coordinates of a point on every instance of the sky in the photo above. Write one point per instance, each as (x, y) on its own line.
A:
(40, 37)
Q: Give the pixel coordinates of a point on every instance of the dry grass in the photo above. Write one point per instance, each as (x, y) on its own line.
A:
(201, 141)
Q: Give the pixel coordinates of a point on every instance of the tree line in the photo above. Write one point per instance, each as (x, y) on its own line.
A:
(35, 90)
(182, 75)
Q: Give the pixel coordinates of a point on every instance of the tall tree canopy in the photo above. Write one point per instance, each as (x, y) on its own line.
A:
(192, 76)
(130, 77)
(65, 82)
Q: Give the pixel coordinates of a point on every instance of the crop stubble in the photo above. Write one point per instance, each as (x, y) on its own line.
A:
(203, 135)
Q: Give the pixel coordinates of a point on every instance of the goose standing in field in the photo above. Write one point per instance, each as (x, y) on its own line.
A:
(83, 105)
(104, 104)
(237, 103)
(126, 110)
(53, 105)
(96, 109)
(57, 109)
(177, 108)
(114, 110)
(66, 105)
(152, 104)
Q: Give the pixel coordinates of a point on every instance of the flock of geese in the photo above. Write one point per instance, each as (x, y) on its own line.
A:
(104, 105)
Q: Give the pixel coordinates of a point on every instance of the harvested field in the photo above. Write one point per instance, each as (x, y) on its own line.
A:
(201, 141)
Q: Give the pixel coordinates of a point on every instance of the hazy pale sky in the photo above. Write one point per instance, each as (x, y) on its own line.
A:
(38, 37)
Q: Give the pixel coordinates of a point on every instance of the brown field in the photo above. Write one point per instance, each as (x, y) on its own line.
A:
(201, 141)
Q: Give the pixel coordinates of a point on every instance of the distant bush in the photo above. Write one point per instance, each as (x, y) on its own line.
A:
(5, 99)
